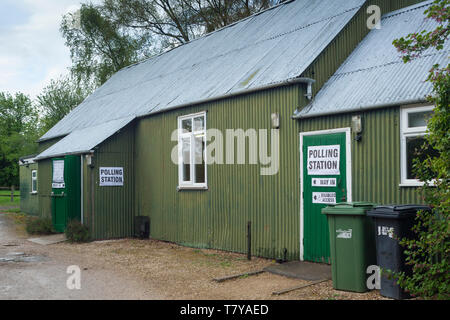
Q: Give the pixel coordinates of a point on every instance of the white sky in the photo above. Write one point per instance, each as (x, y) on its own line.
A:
(32, 49)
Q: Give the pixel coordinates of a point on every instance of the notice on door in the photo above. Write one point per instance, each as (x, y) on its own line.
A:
(111, 176)
(323, 160)
(324, 197)
(323, 182)
(58, 174)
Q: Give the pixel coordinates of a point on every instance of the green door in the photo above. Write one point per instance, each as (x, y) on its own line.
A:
(59, 201)
(324, 182)
(66, 191)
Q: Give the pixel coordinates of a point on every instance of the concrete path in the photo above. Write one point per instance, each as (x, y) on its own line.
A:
(48, 240)
(301, 270)
(32, 271)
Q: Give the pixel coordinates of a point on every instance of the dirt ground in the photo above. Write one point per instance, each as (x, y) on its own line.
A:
(143, 269)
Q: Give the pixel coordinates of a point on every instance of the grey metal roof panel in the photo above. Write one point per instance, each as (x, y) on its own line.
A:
(84, 140)
(374, 75)
(267, 48)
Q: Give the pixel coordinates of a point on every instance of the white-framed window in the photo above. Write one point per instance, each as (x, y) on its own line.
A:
(33, 181)
(192, 151)
(413, 127)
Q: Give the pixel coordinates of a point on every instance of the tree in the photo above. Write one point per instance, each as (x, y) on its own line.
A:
(429, 253)
(105, 38)
(58, 99)
(176, 22)
(18, 133)
(98, 47)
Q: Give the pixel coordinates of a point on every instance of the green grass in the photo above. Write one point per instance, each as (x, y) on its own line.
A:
(12, 210)
(6, 201)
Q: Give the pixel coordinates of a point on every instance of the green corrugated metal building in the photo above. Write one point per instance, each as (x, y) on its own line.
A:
(271, 75)
(29, 201)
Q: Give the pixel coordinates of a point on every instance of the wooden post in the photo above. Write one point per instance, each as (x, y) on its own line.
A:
(249, 240)
(12, 193)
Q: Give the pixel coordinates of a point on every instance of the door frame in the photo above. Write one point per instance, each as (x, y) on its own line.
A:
(348, 163)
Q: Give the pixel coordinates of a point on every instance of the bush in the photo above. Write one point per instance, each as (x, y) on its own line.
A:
(429, 254)
(76, 232)
(39, 226)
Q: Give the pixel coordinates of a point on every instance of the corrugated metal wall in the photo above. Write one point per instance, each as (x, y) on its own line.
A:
(375, 159)
(45, 180)
(109, 211)
(45, 188)
(29, 203)
(217, 218)
(47, 144)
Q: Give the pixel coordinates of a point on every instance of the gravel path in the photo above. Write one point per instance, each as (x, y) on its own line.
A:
(43, 274)
(143, 269)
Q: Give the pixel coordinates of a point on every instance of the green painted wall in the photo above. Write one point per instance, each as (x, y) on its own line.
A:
(47, 144)
(45, 180)
(375, 159)
(29, 203)
(109, 211)
(217, 218)
(45, 188)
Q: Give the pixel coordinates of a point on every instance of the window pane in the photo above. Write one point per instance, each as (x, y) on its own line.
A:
(186, 125)
(34, 186)
(419, 119)
(199, 123)
(413, 151)
(186, 155)
(199, 149)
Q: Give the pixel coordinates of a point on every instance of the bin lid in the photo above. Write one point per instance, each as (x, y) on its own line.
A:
(348, 208)
(396, 211)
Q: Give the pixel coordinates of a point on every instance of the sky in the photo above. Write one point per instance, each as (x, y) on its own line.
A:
(32, 50)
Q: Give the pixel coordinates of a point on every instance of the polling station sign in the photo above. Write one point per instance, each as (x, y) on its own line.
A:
(58, 174)
(323, 160)
(111, 176)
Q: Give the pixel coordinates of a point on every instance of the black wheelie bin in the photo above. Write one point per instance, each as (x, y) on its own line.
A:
(392, 223)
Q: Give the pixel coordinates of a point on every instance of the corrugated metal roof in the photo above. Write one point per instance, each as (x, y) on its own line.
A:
(84, 140)
(267, 48)
(374, 75)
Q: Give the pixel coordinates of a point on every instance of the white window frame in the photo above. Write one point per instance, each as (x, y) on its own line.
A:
(406, 132)
(33, 191)
(181, 134)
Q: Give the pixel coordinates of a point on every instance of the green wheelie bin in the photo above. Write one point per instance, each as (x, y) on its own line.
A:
(352, 244)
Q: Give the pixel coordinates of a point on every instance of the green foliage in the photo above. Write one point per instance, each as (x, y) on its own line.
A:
(416, 43)
(5, 199)
(18, 133)
(97, 46)
(39, 226)
(58, 99)
(77, 232)
(107, 37)
(174, 22)
(428, 255)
